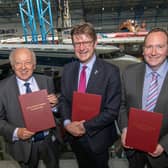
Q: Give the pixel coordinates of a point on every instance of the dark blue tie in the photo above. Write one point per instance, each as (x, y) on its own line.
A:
(40, 135)
(28, 89)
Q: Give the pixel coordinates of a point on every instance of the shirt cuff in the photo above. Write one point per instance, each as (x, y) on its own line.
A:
(55, 109)
(15, 137)
(66, 122)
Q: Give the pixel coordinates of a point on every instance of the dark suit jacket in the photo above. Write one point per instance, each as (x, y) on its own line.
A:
(105, 81)
(132, 88)
(11, 115)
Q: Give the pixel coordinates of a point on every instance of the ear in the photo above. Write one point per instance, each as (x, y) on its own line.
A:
(34, 66)
(95, 43)
(12, 66)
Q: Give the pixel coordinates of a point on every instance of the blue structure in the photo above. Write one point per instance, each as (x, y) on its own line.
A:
(46, 26)
(28, 20)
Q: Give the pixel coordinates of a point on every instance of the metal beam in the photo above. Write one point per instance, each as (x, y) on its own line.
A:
(28, 20)
(44, 13)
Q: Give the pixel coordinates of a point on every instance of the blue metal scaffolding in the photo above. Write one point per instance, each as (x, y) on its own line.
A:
(28, 20)
(46, 26)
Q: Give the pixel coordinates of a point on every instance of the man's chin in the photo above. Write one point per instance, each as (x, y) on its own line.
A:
(24, 78)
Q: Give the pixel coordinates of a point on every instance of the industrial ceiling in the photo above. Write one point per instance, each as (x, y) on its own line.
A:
(100, 12)
(10, 7)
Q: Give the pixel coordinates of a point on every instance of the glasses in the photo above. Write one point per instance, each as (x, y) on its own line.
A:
(83, 43)
(156, 47)
(21, 64)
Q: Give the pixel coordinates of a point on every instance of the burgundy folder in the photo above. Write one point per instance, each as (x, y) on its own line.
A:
(36, 111)
(143, 129)
(85, 106)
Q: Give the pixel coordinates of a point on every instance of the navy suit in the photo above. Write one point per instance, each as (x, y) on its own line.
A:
(11, 118)
(100, 131)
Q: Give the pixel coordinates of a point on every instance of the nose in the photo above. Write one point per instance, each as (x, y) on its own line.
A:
(154, 49)
(82, 45)
(23, 65)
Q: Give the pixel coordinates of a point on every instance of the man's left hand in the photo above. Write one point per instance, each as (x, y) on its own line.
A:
(52, 98)
(158, 151)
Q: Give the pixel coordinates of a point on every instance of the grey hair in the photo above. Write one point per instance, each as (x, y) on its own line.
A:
(13, 53)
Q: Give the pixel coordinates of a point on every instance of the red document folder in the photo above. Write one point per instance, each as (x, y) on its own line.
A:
(85, 106)
(143, 129)
(36, 111)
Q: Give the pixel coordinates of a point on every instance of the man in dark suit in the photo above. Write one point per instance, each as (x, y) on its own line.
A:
(23, 144)
(136, 83)
(90, 139)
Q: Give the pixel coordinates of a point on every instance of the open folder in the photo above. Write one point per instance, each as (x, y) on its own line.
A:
(143, 129)
(36, 111)
(85, 106)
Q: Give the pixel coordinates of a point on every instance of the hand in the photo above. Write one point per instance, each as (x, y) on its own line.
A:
(52, 98)
(158, 151)
(81, 126)
(76, 128)
(123, 139)
(24, 134)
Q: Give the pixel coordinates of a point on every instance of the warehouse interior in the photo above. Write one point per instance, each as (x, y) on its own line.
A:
(106, 16)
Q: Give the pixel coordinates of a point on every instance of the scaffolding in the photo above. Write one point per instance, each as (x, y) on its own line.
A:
(67, 17)
(63, 19)
(44, 17)
(28, 20)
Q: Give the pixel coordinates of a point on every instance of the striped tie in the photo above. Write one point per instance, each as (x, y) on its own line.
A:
(153, 93)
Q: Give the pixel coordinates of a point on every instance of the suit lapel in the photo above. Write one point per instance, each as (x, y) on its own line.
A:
(74, 78)
(95, 74)
(40, 83)
(14, 86)
(139, 85)
(163, 94)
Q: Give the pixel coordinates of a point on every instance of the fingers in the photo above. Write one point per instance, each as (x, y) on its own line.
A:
(24, 134)
(158, 151)
(123, 139)
(53, 99)
(75, 128)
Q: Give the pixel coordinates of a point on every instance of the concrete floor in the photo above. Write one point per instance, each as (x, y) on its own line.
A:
(71, 163)
(67, 163)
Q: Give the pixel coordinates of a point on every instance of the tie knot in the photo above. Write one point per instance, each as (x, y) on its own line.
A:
(84, 67)
(154, 75)
(27, 84)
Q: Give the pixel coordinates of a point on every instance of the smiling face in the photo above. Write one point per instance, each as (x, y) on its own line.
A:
(155, 49)
(84, 47)
(23, 63)
(84, 40)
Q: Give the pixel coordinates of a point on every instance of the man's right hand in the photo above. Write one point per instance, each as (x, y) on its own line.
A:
(24, 134)
(75, 128)
(123, 138)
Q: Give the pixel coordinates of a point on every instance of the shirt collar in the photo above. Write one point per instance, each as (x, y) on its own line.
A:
(90, 63)
(22, 82)
(162, 69)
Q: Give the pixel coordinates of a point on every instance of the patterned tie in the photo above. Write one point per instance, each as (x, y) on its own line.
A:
(153, 93)
(40, 135)
(28, 89)
(82, 81)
